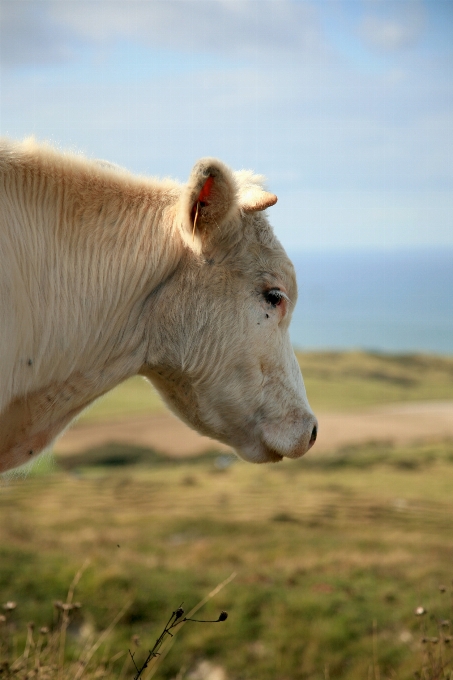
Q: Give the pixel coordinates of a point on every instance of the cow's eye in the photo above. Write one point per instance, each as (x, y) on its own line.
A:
(274, 296)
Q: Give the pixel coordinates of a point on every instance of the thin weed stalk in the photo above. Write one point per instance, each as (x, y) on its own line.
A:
(168, 642)
(174, 621)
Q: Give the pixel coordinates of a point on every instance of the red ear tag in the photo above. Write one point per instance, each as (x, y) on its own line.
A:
(201, 200)
(206, 190)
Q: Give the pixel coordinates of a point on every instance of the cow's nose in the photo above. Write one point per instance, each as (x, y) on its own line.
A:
(314, 434)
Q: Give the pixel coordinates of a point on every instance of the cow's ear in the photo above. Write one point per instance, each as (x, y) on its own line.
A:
(209, 198)
(254, 199)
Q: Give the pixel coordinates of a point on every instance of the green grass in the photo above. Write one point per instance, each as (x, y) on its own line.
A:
(334, 381)
(135, 396)
(351, 380)
(333, 553)
(332, 558)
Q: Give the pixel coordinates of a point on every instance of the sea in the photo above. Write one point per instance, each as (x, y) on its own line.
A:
(383, 301)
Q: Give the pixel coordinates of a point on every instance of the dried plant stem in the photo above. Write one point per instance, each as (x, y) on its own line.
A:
(126, 663)
(376, 673)
(29, 644)
(65, 616)
(173, 622)
(111, 661)
(38, 652)
(181, 673)
(84, 662)
(157, 660)
(23, 658)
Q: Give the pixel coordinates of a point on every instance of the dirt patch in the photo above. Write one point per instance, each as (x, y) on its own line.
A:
(399, 423)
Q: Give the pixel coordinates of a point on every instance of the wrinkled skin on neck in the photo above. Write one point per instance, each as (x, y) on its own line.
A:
(222, 358)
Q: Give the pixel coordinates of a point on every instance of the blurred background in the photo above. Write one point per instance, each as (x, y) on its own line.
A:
(346, 106)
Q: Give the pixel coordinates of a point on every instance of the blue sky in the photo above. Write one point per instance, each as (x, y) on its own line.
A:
(345, 106)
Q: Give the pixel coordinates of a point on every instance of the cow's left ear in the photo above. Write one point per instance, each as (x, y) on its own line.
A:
(251, 195)
(254, 199)
(209, 197)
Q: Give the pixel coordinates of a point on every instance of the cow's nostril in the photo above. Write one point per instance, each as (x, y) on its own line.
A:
(314, 434)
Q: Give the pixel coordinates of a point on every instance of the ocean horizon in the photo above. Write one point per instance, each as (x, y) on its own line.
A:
(376, 300)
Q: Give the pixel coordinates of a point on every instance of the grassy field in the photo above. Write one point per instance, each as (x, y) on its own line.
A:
(331, 554)
(334, 381)
(332, 558)
(351, 380)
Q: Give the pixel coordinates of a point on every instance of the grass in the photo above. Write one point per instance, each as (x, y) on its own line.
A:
(135, 396)
(351, 380)
(334, 381)
(332, 557)
(333, 553)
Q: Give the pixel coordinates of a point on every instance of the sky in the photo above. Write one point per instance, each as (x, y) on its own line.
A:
(346, 106)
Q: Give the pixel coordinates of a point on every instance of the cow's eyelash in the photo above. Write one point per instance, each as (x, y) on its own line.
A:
(274, 296)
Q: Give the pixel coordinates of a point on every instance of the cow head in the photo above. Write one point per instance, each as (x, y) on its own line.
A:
(220, 353)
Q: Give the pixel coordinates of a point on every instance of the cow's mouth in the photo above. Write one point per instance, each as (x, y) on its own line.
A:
(259, 453)
(272, 456)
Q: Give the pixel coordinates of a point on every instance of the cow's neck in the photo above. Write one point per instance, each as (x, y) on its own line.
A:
(91, 256)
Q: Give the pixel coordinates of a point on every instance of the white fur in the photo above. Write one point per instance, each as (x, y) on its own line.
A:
(102, 278)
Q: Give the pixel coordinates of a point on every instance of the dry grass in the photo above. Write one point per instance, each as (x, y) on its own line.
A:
(333, 553)
(321, 552)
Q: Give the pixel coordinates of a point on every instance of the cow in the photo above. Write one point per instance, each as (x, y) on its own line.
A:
(105, 275)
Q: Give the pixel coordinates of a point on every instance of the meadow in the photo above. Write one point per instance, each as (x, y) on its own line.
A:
(329, 557)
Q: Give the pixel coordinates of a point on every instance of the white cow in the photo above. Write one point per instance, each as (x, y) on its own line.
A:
(105, 275)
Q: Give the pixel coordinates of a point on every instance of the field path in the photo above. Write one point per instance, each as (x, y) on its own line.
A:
(164, 432)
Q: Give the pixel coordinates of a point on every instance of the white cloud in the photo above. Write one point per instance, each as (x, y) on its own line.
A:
(393, 25)
(29, 34)
(234, 27)
(41, 30)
